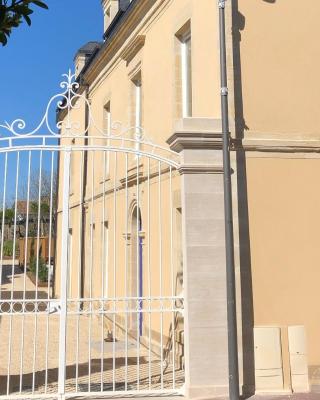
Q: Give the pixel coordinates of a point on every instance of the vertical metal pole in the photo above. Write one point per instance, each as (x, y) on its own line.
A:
(230, 272)
(64, 274)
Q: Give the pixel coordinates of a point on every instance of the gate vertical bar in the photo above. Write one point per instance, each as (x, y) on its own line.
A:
(3, 217)
(64, 274)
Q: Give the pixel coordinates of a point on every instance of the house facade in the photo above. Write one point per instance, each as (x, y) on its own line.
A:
(146, 224)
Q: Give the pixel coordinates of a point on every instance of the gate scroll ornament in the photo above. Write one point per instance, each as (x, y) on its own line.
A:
(71, 99)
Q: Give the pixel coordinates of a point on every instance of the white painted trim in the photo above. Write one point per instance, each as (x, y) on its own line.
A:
(185, 72)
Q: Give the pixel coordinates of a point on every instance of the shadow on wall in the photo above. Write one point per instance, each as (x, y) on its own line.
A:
(238, 25)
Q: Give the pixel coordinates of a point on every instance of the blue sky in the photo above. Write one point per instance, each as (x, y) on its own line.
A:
(35, 57)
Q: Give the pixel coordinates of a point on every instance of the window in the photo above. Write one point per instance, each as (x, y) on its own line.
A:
(107, 119)
(107, 17)
(186, 77)
(179, 252)
(107, 129)
(184, 70)
(70, 260)
(105, 257)
(137, 105)
(72, 171)
(137, 109)
(110, 10)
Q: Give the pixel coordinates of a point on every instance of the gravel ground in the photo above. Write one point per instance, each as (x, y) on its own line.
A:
(30, 357)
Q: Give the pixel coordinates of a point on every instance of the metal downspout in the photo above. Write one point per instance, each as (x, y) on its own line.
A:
(229, 239)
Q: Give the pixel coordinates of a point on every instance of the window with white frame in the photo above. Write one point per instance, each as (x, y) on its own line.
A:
(70, 261)
(107, 124)
(107, 16)
(107, 119)
(137, 109)
(184, 71)
(138, 105)
(186, 75)
(105, 257)
(110, 10)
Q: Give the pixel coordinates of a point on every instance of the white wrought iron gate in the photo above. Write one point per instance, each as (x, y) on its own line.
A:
(91, 300)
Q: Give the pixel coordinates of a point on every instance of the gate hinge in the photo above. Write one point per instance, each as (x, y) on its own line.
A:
(222, 3)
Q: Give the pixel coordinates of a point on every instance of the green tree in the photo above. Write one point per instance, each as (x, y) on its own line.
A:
(8, 216)
(13, 12)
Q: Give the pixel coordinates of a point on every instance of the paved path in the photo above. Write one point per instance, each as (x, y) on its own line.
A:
(296, 396)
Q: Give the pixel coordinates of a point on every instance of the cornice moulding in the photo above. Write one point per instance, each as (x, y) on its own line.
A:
(194, 140)
(200, 169)
(133, 48)
(285, 145)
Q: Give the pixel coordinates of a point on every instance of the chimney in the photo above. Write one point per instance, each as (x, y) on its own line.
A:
(83, 55)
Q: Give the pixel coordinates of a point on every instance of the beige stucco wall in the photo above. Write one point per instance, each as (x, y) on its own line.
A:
(280, 59)
(158, 69)
(157, 58)
(115, 208)
(274, 59)
(284, 220)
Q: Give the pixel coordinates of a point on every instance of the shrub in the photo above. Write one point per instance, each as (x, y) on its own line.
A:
(8, 248)
(42, 269)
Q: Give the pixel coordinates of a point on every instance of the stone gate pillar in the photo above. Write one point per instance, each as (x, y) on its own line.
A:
(206, 351)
